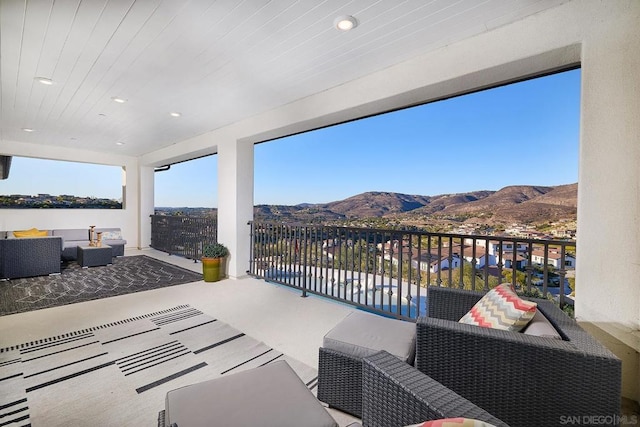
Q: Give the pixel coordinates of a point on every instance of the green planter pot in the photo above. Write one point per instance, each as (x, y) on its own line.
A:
(212, 269)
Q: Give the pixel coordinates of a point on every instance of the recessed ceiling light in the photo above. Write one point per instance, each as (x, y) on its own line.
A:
(119, 100)
(119, 143)
(27, 129)
(345, 23)
(175, 114)
(45, 80)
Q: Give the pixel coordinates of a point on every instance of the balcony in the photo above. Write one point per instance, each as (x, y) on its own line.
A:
(603, 38)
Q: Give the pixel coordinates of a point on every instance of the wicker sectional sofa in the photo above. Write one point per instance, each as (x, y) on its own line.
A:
(42, 255)
(74, 237)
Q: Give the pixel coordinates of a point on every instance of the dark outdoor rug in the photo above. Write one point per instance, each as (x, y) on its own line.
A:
(76, 284)
(118, 374)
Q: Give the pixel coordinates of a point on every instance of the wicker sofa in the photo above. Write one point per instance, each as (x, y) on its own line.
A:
(29, 256)
(522, 379)
(74, 237)
(41, 255)
(396, 394)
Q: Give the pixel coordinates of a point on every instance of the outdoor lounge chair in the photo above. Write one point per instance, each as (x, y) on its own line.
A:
(522, 379)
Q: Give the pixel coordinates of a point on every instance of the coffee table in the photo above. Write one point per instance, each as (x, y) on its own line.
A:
(93, 256)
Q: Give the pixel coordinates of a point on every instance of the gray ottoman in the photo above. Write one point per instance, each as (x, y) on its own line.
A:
(268, 396)
(92, 256)
(359, 335)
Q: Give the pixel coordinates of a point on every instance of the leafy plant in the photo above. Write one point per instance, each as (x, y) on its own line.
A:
(569, 311)
(215, 250)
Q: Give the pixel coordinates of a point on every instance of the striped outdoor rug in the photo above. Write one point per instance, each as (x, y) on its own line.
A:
(118, 374)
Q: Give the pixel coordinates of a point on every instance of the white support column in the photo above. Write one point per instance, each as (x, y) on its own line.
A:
(235, 203)
(146, 180)
(608, 243)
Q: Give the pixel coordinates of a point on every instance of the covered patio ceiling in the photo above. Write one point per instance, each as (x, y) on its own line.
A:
(66, 64)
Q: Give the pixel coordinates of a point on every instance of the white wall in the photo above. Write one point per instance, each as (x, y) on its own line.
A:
(46, 219)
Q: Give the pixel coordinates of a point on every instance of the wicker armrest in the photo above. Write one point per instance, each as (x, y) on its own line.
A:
(30, 256)
(340, 381)
(397, 394)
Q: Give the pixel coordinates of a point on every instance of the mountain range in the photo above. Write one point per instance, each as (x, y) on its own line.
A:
(527, 204)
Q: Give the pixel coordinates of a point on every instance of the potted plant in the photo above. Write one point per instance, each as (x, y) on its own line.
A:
(213, 255)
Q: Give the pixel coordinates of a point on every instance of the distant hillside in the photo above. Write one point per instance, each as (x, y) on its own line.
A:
(525, 204)
(444, 202)
(522, 203)
(375, 204)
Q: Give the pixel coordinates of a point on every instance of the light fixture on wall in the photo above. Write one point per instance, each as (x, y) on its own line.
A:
(118, 100)
(345, 22)
(175, 114)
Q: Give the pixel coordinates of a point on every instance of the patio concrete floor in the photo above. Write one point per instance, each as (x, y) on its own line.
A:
(271, 313)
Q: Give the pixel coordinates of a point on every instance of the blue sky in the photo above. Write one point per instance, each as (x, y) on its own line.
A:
(39, 176)
(526, 133)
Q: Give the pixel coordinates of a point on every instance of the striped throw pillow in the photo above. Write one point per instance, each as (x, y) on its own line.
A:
(501, 308)
(453, 422)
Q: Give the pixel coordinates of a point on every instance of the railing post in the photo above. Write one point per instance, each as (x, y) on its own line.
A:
(303, 274)
(562, 273)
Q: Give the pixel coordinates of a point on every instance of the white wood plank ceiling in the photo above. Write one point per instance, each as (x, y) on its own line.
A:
(213, 61)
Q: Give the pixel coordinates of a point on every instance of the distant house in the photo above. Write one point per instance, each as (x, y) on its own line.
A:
(520, 260)
(493, 247)
(434, 261)
(553, 258)
(480, 255)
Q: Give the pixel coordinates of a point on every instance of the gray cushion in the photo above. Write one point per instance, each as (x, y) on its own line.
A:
(363, 334)
(69, 234)
(111, 242)
(74, 243)
(271, 395)
(541, 327)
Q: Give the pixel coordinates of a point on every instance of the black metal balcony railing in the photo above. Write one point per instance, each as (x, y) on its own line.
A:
(387, 271)
(182, 235)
